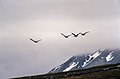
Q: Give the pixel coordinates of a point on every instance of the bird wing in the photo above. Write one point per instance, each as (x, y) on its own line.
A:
(78, 33)
(62, 34)
(69, 35)
(39, 40)
(32, 39)
(87, 32)
(73, 34)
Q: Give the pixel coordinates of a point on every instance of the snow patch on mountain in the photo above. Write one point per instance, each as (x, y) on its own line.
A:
(56, 68)
(102, 57)
(118, 66)
(72, 65)
(91, 58)
(110, 57)
(106, 69)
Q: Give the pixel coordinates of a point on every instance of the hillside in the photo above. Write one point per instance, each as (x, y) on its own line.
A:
(98, 72)
(97, 58)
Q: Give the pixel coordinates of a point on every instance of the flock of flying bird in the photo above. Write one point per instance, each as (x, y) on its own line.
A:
(66, 36)
(75, 35)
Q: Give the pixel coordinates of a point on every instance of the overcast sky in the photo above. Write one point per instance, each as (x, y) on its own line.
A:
(46, 19)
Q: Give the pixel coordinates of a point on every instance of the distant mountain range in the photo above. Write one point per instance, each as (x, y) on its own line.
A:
(97, 58)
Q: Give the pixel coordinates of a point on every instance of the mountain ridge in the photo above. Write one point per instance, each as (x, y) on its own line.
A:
(99, 57)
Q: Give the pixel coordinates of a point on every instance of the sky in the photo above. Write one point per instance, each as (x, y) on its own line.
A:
(21, 20)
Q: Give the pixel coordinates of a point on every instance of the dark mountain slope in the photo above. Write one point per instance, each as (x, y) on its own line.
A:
(98, 72)
(97, 58)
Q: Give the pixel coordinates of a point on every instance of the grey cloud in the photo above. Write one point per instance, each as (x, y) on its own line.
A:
(46, 19)
(29, 10)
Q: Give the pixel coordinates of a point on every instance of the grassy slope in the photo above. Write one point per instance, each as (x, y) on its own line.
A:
(110, 74)
(99, 72)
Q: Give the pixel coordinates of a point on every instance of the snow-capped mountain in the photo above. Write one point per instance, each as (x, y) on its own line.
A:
(100, 57)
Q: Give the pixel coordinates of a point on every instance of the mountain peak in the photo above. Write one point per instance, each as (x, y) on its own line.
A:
(99, 57)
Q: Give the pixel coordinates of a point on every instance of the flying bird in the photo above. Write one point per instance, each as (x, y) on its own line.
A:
(66, 36)
(76, 35)
(35, 41)
(84, 33)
